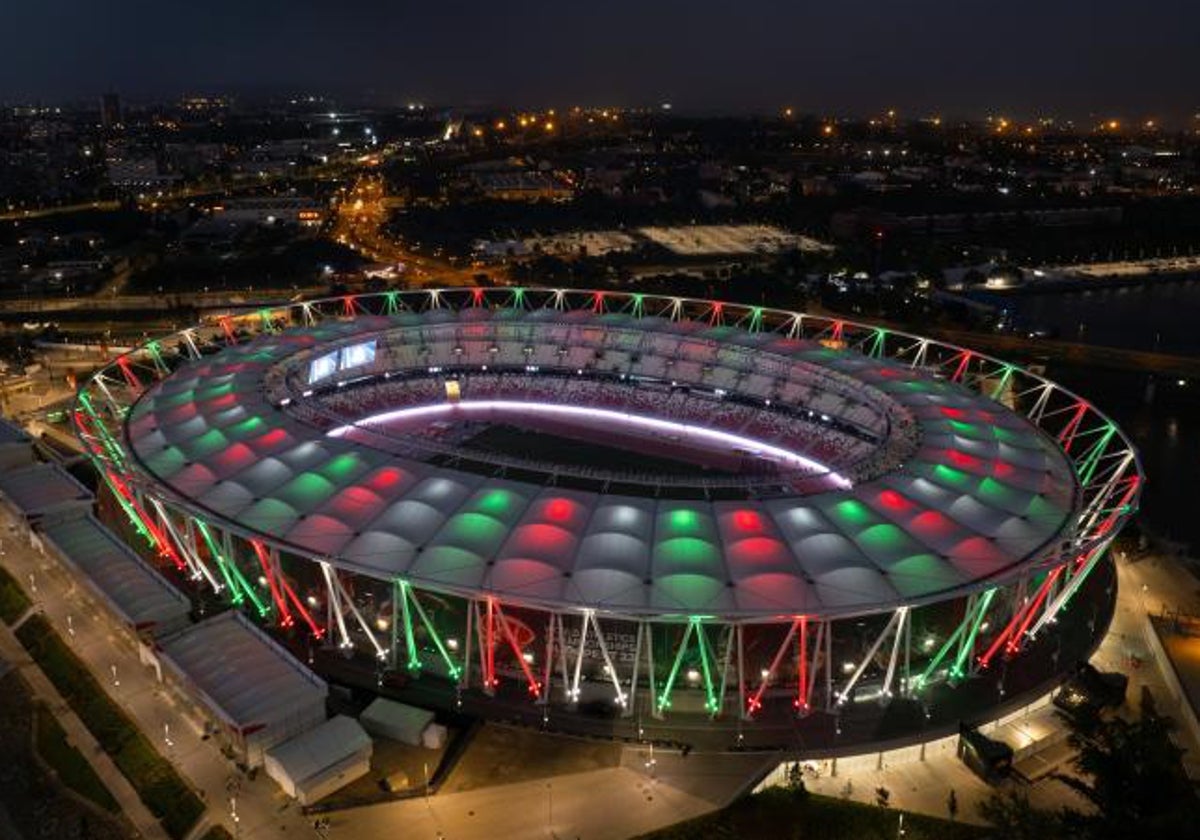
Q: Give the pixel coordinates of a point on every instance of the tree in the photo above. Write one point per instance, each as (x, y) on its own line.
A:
(1016, 819)
(1132, 773)
(794, 779)
(883, 797)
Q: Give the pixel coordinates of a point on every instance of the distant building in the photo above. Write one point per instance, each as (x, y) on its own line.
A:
(110, 111)
(523, 186)
(272, 210)
(138, 173)
(868, 221)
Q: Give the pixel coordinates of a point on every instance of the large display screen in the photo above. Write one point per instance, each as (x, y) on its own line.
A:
(322, 366)
(356, 355)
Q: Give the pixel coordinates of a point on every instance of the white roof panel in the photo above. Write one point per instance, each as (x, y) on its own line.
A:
(978, 491)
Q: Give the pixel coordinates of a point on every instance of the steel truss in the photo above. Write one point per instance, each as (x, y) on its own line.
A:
(710, 653)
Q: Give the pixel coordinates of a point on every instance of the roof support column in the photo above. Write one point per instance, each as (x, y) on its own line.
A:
(663, 701)
(468, 641)
(802, 664)
(829, 666)
(622, 701)
(922, 351)
(743, 700)
(397, 595)
(195, 563)
(1088, 563)
(335, 604)
(548, 668)
(348, 603)
(413, 662)
(755, 702)
(730, 633)
(814, 667)
(583, 632)
(562, 657)
(902, 614)
(535, 688)
(414, 603)
(844, 694)
(483, 636)
(633, 680)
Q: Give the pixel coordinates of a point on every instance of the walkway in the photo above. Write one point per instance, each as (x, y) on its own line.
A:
(615, 802)
(1152, 583)
(262, 809)
(78, 734)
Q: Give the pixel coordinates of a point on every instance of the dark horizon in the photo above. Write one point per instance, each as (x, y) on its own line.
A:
(947, 57)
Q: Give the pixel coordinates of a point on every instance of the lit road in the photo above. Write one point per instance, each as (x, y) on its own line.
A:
(361, 213)
(42, 212)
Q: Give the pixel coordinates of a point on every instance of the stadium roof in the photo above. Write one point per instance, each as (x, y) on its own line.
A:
(982, 495)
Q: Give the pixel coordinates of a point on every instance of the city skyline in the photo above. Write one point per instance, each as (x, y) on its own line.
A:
(645, 420)
(931, 57)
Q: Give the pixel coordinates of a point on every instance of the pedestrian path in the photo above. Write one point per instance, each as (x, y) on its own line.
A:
(78, 734)
(109, 651)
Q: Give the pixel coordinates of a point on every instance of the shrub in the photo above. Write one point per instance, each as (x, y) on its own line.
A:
(72, 768)
(154, 778)
(13, 600)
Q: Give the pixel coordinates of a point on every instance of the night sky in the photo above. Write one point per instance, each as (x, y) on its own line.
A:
(1132, 58)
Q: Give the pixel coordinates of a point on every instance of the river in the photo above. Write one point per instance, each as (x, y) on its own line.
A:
(1166, 430)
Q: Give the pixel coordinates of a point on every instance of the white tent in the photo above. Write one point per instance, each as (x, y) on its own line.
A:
(131, 588)
(314, 764)
(247, 681)
(37, 491)
(397, 721)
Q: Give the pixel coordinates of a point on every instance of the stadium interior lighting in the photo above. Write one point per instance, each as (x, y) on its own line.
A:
(683, 430)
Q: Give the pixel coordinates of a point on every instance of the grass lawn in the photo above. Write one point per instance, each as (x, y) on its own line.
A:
(13, 600)
(163, 790)
(783, 815)
(72, 768)
(37, 800)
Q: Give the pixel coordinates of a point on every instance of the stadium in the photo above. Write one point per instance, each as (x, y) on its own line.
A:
(623, 514)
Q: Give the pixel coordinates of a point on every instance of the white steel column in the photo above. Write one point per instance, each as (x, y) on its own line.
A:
(637, 659)
(743, 700)
(866, 660)
(730, 633)
(612, 668)
(891, 668)
(579, 659)
(468, 639)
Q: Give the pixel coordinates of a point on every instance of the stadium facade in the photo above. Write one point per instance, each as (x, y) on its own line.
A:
(621, 506)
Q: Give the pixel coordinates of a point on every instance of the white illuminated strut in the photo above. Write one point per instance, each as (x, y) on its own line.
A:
(702, 433)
